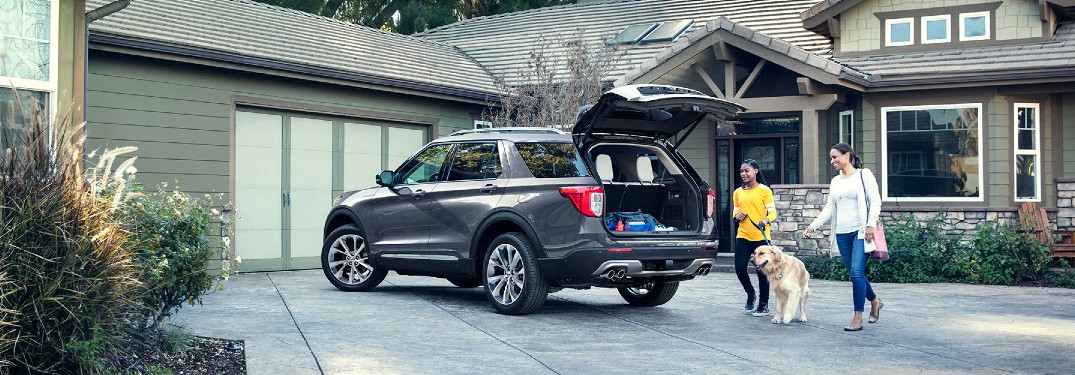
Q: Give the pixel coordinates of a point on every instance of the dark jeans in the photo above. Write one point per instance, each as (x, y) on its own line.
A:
(744, 249)
(853, 254)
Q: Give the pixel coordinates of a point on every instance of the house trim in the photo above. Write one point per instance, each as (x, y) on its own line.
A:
(277, 68)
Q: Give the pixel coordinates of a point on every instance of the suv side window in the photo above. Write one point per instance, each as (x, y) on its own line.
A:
(424, 167)
(552, 160)
(475, 161)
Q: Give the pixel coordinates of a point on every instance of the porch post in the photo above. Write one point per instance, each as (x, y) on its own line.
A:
(809, 146)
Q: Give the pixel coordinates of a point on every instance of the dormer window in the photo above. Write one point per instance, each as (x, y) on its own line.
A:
(936, 29)
(900, 32)
(974, 26)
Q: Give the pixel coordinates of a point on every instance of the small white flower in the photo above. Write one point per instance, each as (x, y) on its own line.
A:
(238, 259)
(227, 241)
(131, 170)
(215, 211)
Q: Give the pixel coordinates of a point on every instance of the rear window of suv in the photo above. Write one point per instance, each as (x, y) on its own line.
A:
(552, 160)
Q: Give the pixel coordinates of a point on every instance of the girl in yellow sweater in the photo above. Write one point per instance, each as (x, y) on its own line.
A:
(753, 204)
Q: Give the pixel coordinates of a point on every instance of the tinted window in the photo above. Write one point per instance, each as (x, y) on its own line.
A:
(551, 160)
(425, 167)
(475, 161)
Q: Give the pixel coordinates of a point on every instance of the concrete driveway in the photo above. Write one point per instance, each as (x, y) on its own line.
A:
(297, 323)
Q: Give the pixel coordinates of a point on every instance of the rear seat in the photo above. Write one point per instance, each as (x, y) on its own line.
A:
(641, 195)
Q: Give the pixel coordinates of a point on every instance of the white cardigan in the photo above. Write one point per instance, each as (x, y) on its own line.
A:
(872, 194)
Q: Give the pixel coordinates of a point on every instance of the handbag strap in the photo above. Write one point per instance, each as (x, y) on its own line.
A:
(866, 196)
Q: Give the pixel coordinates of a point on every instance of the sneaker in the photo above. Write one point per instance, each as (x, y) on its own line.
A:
(749, 308)
(761, 311)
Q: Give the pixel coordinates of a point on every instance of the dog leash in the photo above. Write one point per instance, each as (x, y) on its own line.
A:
(762, 229)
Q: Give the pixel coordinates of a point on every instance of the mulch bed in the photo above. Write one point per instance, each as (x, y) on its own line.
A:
(204, 355)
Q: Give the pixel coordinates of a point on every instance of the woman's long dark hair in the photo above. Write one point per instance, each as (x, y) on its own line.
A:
(754, 164)
(844, 149)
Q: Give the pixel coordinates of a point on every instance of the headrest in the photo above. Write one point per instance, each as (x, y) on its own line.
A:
(645, 169)
(604, 167)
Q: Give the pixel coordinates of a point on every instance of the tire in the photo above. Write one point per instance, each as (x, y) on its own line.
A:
(513, 282)
(345, 260)
(465, 282)
(650, 294)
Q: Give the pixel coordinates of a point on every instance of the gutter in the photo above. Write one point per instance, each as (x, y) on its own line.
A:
(875, 81)
(106, 10)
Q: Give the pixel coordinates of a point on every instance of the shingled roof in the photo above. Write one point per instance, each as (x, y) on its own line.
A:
(502, 43)
(252, 33)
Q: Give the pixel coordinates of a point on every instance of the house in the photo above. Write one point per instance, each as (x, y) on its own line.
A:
(41, 58)
(962, 107)
(279, 110)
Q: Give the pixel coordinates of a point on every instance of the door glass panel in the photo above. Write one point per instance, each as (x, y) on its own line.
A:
(767, 153)
(425, 167)
(258, 185)
(791, 158)
(310, 193)
(361, 155)
(475, 162)
(1025, 177)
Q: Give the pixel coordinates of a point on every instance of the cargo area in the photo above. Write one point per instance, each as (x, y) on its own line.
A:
(642, 180)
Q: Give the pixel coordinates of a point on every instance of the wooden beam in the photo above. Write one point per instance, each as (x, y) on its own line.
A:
(809, 160)
(708, 80)
(834, 27)
(788, 103)
(810, 87)
(722, 52)
(750, 79)
(729, 77)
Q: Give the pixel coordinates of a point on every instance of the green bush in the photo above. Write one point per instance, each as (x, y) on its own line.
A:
(825, 268)
(1003, 254)
(919, 252)
(67, 256)
(7, 320)
(1063, 279)
(173, 238)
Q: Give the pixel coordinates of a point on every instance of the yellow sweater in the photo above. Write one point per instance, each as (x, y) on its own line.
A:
(757, 203)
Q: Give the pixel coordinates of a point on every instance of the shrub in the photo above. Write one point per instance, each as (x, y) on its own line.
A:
(172, 236)
(1003, 254)
(919, 251)
(7, 318)
(825, 268)
(68, 258)
(1065, 278)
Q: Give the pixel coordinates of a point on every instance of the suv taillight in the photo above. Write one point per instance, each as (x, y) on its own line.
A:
(710, 203)
(588, 200)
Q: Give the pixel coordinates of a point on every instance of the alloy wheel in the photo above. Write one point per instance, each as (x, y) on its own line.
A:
(349, 259)
(505, 273)
(641, 289)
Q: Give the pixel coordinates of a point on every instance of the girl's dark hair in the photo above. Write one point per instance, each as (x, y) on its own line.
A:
(845, 148)
(754, 164)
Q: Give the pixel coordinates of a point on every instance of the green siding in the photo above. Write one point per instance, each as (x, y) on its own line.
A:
(1068, 124)
(179, 115)
(696, 149)
(998, 149)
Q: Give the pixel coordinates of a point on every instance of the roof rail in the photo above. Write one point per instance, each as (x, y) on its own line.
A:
(537, 130)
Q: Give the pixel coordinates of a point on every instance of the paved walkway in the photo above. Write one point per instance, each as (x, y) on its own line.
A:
(297, 323)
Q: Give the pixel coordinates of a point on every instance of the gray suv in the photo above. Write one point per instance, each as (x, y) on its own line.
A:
(526, 212)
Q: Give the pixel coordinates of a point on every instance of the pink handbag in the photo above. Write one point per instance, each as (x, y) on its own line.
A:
(880, 251)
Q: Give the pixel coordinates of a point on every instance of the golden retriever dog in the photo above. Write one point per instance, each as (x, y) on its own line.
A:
(788, 279)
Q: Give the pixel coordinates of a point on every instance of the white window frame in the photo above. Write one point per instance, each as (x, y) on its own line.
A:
(50, 86)
(962, 26)
(888, 32)
(482, 124)
(850, 115)
(1036, 152)
(947, 29)
(884, 154)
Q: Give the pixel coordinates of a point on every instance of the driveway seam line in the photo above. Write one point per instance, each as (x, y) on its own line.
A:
(296, 323)
(481, 330)
(665, 333)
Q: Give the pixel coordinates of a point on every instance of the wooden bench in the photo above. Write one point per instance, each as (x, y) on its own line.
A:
(1034, 221)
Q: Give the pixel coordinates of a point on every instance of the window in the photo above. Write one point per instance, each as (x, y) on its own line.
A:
(552, 160)
(633, 34)
(847, 128)
(424, 167)
(974, 26)
(668, 31)
(932, 153)
(935, 29)
(27, 33)
(1027, 153)
(475, 161)
(900, 32)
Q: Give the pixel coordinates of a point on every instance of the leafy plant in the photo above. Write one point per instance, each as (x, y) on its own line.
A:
(919, 251)
(7, 319)
(1062, 279)
(825, 268)
(172, 234)
(69, 259)
(1004, 254)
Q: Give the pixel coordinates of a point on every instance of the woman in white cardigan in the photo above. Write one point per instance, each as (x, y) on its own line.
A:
(850, 194)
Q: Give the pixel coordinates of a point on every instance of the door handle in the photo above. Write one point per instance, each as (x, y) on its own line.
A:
(488, 188)
(418, 193)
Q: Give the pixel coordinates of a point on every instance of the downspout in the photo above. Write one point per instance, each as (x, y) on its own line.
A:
(91, 16)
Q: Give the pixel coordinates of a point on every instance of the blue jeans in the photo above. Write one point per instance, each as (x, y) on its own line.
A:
(853, 253)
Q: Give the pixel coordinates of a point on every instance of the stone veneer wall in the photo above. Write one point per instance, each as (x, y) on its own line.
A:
(798, 205)
(1065, 192)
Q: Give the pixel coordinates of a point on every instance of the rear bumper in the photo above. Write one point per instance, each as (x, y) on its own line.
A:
(590, 267)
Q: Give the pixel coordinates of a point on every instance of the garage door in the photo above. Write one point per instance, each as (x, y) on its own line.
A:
(289, 167)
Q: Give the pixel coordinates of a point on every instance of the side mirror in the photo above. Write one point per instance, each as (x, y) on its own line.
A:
(385, 178)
